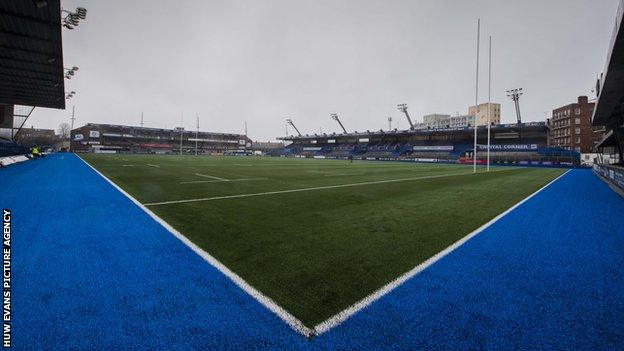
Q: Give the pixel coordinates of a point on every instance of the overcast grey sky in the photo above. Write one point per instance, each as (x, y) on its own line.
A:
(262, 61)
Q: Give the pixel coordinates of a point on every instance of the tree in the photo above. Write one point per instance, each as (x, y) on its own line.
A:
(64, 130)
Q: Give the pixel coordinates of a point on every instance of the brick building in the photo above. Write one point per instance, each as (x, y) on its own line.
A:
(571, 128)
(29, 137)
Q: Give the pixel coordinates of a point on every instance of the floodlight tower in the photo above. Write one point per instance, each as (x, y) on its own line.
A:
(403, 108)
(197, 134)
(73, 118)
(72, 19)
(515, 94)
(389, 123)
(290, 122)
(181, 131)
(69, 72)
(334, 116)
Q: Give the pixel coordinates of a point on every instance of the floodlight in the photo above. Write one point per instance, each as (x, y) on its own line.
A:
(81, 12)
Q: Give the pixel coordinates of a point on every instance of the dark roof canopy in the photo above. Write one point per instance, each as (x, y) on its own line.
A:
(609, 110)
(31, 53)
(510, 127)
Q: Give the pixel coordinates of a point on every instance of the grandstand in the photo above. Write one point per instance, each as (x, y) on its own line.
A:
(609, 111)
(516, 144)
(31, 69)
(110, 138)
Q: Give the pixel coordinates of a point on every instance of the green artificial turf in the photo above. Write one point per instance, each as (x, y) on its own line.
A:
(316, 252)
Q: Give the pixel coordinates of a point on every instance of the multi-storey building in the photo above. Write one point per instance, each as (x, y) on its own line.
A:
(481, 113)
(570, 127)
(29, 137)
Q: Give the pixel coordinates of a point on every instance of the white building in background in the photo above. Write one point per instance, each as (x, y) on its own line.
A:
(462, 121)
(436, 119)
(441, 121)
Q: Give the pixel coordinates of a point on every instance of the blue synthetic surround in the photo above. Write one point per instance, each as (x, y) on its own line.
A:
(92, 271)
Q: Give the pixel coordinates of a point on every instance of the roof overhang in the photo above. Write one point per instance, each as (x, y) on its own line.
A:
(608, 111)
(31, 54)
(611, 138)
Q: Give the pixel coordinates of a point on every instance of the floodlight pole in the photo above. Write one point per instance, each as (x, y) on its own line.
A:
(403, 108)
(515, 94)
(73, 117)
(474, 151)
(289, 121)
(389, 123)
(334, 116)
(181, 132)
(197, 134)
(141, 119)
(489, 102)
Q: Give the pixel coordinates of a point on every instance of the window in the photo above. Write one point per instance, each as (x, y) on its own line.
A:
(577, 121)
(577, 131)
(577, 111)
(577, 140)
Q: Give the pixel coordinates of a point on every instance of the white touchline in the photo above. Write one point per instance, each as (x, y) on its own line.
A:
(127, 165)
(213, 177)
(315, 188)
(340, 317)
(266, 301)
(151, 165)
(222, 181)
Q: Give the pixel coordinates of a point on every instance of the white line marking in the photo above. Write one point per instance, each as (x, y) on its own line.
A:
(151, 165)
(127, 165)
(223, 181)
(314, 188)
(340, 317)
(266, 301)
(213, 177)
(343, 174)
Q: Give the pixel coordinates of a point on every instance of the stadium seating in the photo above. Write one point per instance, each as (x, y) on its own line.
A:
(525, 144)
(9, 148)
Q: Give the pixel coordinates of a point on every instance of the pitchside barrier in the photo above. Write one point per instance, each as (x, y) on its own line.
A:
(9, 160)
(612, 174)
